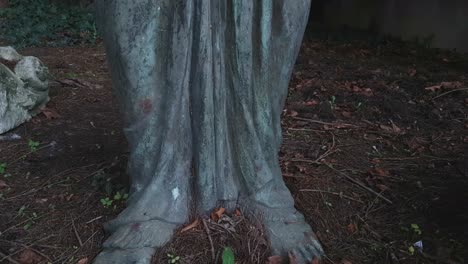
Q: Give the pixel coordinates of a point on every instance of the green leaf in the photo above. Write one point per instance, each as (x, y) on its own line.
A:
(31, 143)
(117, 196)
(416, 229)
(228, 256)
(3, 167)
(21, 210)
(411, 250)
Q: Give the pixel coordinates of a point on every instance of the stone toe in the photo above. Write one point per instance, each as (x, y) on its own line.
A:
(154, 233)
(125, 256)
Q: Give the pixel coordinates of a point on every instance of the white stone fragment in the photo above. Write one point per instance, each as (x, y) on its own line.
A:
(23, 92)
(175, 193)
(9, 53)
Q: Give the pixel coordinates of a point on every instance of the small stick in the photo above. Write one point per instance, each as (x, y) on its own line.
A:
(94, 219)
(313, 121)
(304, 129)
(30, 152)
(361, 184)
(76, 233)
(307, 161)
(451, 91)
(321, 122)
(334, 193)
(7, 257)
(329, 151)
(209, 238)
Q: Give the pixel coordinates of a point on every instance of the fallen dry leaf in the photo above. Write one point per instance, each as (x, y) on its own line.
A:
(3, 184)
(41, 201)
(391, 129)
(379, 172)
(451, 85)
(352, 228)
(315, 261)
(346, 114)
(445, 85)
(433, 88)
(292, 258)
(191, 226)
(83, 261)
(293, 113)
(28, 256)
(382, 187)
(50, 113)
(274, 260)
(215, 216)
(395, 128)
(311, 103)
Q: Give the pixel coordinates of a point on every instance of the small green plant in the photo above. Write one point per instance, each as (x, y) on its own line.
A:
(228, 256)
(71, 75)
(21, 211)
(173, 258)
(106, 202)
(416, 229)
(375, 247)
(332, 101)
(411, 250)
(33, 145)
(41, 22)
(358, 106)
(118, 196)
(3, 167)
(31, 221)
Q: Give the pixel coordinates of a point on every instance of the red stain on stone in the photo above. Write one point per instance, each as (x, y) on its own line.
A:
(135, 226)
(146, 105)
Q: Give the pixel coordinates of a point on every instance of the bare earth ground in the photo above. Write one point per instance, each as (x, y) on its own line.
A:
(375, 161)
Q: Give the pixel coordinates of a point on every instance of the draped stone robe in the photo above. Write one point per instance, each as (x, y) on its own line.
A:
(202, 85)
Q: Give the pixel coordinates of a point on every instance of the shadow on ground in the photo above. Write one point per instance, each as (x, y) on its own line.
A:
(374, 151)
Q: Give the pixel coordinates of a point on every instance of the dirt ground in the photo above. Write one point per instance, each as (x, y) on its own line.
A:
(375, 153)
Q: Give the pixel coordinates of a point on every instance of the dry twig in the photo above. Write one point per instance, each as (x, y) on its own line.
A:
(7, 257)
(76, 233)
(360, 184)
(451, 91)
(334, 193)
(210, 239)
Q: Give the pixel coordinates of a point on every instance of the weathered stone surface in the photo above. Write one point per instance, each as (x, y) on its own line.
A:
(22, 92)
(202, 85)
(9, 53)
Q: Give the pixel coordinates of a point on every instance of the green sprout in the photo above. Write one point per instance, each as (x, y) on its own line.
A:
(33, 145)
(3, 167)
(416, 229)
(228, 256)
(173, 258)
(106, 202)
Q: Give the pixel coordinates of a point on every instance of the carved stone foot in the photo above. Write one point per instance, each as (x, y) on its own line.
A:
(127, 256)
(136, 242)
(293, 239)
(290, 236)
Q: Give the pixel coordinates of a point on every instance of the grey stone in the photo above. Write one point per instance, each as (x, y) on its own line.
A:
(9, 53)
(201, 86)
(22, 92)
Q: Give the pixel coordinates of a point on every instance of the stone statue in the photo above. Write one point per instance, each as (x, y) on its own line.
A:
(22, 92)
(202, 85)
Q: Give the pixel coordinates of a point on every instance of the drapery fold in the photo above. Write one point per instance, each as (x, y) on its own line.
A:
(201, 84)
